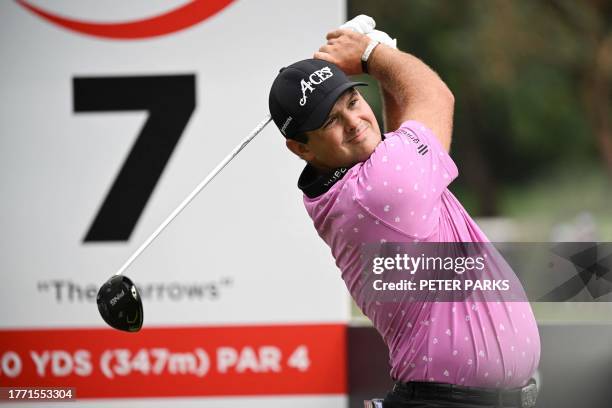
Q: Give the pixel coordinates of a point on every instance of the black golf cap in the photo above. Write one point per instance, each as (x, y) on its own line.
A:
(304, 93)
(120, 305)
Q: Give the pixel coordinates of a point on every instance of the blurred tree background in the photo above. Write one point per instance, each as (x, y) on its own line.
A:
(533, 89)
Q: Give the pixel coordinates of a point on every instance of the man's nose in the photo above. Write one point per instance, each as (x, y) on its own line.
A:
(351, 121)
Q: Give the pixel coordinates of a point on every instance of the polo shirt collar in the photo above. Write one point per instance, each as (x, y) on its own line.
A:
(313, 184)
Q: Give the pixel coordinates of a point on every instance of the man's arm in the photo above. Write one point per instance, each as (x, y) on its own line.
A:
(411, 90)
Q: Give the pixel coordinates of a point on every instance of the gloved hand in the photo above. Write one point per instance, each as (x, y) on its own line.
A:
(363, 24)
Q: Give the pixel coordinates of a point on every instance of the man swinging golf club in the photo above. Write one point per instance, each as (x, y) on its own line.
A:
(360, 187)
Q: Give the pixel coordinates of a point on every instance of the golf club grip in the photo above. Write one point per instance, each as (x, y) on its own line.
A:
(196, 191)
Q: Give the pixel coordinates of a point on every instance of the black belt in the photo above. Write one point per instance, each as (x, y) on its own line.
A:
(523, 397)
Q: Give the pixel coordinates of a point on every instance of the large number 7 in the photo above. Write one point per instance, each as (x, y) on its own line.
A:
(170, 101)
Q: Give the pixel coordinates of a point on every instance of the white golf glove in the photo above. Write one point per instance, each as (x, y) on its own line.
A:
(365, 25)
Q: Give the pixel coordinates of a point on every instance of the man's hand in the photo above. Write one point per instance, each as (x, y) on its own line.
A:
(344, 48)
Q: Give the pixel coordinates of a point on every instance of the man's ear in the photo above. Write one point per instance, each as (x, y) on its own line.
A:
(300, 149)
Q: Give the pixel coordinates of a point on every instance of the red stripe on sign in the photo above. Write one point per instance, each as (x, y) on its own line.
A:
(175, 20)
(178, 361)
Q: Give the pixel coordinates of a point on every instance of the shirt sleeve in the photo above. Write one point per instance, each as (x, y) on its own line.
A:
(402, 182)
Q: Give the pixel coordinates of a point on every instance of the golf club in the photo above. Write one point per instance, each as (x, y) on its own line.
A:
(119, 302)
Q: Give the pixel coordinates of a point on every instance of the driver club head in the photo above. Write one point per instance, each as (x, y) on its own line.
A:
(120, 305)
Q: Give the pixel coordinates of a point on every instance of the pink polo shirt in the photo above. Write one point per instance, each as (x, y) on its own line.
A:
(400, 194)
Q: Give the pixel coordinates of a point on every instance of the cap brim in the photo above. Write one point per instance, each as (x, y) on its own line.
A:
(318, 116)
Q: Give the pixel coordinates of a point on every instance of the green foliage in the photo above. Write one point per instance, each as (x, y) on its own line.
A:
(520, 74)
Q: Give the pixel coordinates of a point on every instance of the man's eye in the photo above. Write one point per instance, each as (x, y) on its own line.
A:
(329, 122)
(353, 103)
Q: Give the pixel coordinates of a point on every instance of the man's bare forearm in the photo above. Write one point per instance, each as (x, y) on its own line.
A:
(412, 90)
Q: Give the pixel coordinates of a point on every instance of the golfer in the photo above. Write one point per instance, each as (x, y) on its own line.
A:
(361, 187)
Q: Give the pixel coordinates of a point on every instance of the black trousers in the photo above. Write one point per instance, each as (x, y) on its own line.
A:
(439, 395)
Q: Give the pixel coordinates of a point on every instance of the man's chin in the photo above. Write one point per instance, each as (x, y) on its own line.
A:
(365, 154)
(370, 145)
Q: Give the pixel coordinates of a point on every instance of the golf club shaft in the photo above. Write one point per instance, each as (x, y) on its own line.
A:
(195, 192)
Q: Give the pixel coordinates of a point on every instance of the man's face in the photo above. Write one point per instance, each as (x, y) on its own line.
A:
(348, 136)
